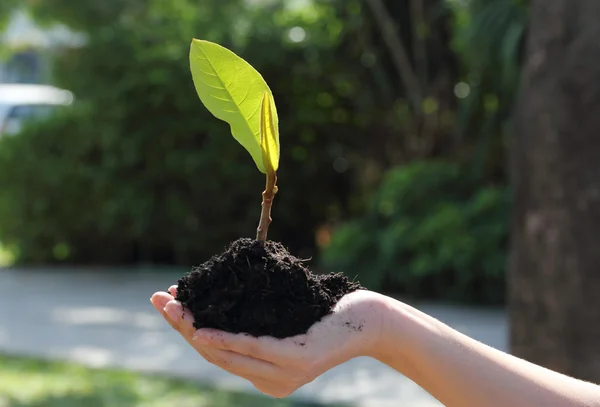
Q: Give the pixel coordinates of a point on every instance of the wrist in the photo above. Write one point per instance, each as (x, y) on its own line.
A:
(361, 314)
(392, 320)
(405, 336)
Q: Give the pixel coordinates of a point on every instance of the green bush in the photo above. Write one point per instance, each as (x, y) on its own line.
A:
(139, 171)
(75, 190)
(432, 230)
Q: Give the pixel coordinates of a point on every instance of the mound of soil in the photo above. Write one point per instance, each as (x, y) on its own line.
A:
(259, 289)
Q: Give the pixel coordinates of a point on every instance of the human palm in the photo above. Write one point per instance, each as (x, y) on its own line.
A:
(278, 367)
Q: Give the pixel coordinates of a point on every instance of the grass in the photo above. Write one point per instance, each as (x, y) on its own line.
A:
(26, 382)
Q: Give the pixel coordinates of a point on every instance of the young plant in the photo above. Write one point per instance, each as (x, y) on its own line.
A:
(233, 91)
(246, 288)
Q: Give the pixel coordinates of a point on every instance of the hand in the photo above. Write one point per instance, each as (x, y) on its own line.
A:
(278, 367)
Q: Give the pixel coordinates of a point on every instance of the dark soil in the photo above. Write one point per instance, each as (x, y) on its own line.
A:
(260, 290)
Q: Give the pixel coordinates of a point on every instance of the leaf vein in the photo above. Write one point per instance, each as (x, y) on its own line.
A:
(255, 111)
(245, 96)
(221, 99)
(213, 86)
(207, 73)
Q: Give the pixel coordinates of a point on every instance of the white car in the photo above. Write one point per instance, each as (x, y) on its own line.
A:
(22, 102)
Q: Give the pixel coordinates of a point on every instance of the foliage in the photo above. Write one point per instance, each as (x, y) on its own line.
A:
(446, 229)
(133, 171)
(489, 38)
(432, 230)
(7, 7)
(233, 91)
(28, 382)
(139, 171)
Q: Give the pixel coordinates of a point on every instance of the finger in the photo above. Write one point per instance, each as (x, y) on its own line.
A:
(206, 354)
(182, 318)
(244, 366)
(160, 300)
(265, 348)
(173, 290)
(209, 354)
(274, 389)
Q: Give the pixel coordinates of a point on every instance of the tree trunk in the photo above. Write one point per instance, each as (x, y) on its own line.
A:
(554, 276)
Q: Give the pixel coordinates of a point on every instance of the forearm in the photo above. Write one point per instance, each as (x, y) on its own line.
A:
(462, 372)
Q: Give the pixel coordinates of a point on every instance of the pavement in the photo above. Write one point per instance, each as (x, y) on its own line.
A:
(103, 318)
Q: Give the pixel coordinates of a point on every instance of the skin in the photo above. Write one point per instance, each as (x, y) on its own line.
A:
(454, 368)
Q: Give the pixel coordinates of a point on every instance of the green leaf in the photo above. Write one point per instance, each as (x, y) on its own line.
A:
(269, 135)
(233, 91)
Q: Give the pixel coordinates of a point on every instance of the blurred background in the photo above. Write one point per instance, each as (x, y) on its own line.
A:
(397, 118)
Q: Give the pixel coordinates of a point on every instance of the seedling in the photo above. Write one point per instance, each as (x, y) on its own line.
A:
(233, 91)
(255, 286)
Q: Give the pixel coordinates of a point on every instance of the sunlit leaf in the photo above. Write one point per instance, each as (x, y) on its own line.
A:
(269, 134)
(233, 91)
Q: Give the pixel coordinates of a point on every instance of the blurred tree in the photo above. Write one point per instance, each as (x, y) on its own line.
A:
(6, 9)
(416, 69)
(431, 230)
(554, 281)
(145, 154)
(441, 230)
(489, 38)
(362, 87)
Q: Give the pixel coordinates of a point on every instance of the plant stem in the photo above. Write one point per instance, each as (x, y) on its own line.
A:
(267, 202)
